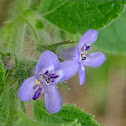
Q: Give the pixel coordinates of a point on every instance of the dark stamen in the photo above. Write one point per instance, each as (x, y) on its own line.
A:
(87, 48)
(83, 56)
(48, 80)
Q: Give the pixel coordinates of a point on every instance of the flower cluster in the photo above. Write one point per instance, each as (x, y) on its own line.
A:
(49, 71)
(80, 54)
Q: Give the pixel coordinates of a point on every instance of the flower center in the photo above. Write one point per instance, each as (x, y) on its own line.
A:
(84, 51)
(83, 56)
(49, 76)
(48, 80)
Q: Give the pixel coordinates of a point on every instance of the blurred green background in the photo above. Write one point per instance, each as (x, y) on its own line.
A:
(104, 92)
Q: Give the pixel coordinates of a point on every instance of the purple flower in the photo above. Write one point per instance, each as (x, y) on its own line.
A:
(49, 72)
(80, 54)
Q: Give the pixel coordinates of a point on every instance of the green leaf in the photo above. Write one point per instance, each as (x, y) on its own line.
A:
(74, 123)
(124, 2)
(24, 70)
(78, 16)
(1, 72)
(1, 78)
(12, 33)
(24, 120)
(18, 7)
(35, 4)
(9, 101)
(12, 37)
(66, 115)
(112, 39)
(33, 21)
(39, 24)
(8, 106)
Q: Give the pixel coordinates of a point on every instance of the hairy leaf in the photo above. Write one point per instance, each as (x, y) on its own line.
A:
(1, 78)
(12, 37)
(9, 101)
(24, 70)
(1, 72)
(24, 120)
(77, 16)
(12, 33)
(8, 106)
(66, 115)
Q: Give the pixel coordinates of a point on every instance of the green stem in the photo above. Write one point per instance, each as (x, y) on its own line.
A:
(33, 30)
(42, 47)
(46, 46)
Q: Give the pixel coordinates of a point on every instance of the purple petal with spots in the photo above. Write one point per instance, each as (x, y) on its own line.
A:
(67, 54)
(37, 94)
(94, 59)
(53, 99)
(82, 74)
(56, 76)
(88, 38)
(26, 91)
(47, 59)
(69, 69)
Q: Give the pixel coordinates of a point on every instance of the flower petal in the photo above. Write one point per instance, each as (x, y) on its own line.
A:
(53, 99)
(95, 59)
(88, 38)
(69, 69)
(67, 54)
(38, 93)
(26, 91)
(48, 70)
(56, 76)
(48, 58)
(77, 55)
(82, 74)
